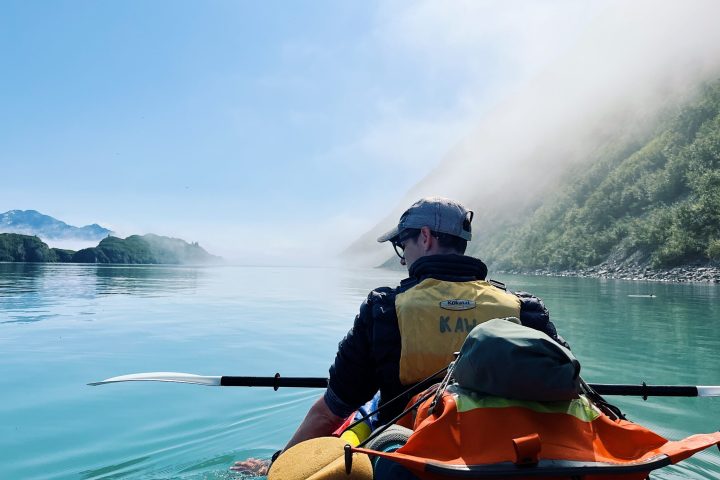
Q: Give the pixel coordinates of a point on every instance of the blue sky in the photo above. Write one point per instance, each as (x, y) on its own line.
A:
(263, 130)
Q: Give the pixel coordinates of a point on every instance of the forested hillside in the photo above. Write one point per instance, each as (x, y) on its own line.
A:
(655, 203)
(136, 249)
(150, 249)
(25, 248)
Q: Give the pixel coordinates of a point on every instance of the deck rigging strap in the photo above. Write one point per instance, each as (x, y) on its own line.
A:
(606, 407)
(417, 388)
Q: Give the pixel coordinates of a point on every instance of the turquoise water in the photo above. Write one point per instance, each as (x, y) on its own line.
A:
(62, 326)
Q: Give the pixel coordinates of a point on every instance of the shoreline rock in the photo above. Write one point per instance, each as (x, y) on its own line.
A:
(684, 274)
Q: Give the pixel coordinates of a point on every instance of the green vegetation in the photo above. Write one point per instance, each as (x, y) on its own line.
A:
(136, 249)
(656, 203)
(63, 255)
(144, 249)
(24, 248)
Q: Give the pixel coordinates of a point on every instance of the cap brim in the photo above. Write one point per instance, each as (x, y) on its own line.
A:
(395, 232)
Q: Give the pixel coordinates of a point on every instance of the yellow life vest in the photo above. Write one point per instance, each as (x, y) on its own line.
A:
(435, 316)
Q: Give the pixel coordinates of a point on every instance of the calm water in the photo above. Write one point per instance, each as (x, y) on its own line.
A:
(62, 326)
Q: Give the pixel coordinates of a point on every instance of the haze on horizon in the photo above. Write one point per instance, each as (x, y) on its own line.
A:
(282, 136)
(632, 63)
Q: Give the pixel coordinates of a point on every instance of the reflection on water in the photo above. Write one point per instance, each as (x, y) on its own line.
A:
(27, 289)
(146, 279)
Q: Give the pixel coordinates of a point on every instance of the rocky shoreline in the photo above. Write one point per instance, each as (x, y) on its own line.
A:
(703, 274)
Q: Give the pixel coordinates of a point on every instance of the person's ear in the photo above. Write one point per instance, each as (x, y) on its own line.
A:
(426, 238)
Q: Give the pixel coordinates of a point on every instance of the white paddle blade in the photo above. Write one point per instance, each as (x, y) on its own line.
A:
(708, 391)
(163, 377)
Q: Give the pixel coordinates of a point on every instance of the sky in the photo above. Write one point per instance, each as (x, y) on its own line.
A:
(269, 132)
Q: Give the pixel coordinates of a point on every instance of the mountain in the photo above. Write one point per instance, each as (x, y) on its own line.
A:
(655, 202)
(31, 222)
(149, 248)
(515, 159)
(628, 186)
(136, 249)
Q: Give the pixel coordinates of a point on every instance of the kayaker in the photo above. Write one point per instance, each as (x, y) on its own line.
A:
(404, 334)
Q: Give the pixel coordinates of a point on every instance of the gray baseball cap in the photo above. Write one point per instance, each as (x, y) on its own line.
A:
(441, 215)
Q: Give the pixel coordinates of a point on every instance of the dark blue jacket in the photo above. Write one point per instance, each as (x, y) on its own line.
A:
(368, 357)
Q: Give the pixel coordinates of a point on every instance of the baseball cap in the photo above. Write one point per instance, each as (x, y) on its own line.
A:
(441, 215)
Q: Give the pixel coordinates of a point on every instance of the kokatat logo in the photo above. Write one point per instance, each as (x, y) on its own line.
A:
(457, 304)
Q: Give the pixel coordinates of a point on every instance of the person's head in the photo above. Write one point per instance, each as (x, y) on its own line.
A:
(432, 225)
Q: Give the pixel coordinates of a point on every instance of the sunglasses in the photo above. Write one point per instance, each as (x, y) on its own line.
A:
(399, 244)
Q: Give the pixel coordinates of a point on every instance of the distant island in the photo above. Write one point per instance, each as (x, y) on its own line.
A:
(135, 249)
(32, 222)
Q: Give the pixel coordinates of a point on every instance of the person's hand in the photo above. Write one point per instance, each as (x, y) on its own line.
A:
(253, 466)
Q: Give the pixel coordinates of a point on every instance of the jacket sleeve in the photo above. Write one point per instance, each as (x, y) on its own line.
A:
(533, 314)
(352, 380)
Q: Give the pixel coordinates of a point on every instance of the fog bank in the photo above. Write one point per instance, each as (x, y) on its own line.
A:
(611, 81)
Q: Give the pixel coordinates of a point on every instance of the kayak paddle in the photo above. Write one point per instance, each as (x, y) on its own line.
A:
(218, 381)
(318, 382)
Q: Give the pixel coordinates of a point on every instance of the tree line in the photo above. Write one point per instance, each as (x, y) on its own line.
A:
(135, 249)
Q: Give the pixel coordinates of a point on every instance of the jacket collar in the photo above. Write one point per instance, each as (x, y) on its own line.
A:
(460, 267)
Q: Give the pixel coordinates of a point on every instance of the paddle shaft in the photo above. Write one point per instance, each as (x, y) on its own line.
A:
(277, 381)
(603, 389)
(646, 390)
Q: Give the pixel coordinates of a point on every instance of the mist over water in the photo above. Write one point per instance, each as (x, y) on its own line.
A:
(608, 84)
(71, 244)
